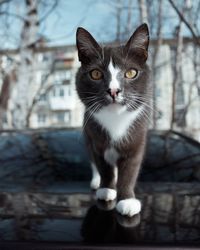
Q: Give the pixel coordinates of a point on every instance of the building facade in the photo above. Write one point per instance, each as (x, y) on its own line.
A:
(56, 103)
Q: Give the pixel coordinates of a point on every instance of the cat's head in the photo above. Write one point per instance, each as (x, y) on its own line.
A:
(113, 75)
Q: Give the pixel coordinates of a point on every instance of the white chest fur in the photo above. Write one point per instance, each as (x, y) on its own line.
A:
(116, 120)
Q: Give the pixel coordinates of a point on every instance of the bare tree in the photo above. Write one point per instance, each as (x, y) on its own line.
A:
(185, 21)
(143, 11)
(18, 87)
(177, 71)
(158, 18)
(25, 76)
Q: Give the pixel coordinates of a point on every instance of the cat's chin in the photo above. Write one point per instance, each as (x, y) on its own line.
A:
(116, 107)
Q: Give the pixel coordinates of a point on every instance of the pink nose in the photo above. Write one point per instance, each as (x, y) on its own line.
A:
(113, 92)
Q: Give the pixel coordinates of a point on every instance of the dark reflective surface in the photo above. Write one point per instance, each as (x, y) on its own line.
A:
(107, 226)
(45, 195)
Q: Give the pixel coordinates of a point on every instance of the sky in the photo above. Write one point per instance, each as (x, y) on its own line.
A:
(95, 15)
(60, 27)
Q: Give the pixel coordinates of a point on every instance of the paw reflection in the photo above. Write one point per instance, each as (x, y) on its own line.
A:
(106, 205)
(127, 221)
(103, 225)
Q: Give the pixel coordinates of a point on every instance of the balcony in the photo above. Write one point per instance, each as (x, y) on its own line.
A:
(57, 103)
(63, 63)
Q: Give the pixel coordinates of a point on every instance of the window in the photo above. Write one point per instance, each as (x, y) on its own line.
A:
(44, 78)
(45, 58)
(42, 98)
(62, 92)
(54, 92)
(64, 63)
(63, 116)
(66, 82)
(62, 76)
(58, 91)
(180, 118)
(68, 74)
(41, 118)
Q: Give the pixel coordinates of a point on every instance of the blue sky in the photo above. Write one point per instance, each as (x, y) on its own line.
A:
(60, 27)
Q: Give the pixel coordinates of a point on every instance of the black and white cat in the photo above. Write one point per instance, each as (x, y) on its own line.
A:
(113, 83)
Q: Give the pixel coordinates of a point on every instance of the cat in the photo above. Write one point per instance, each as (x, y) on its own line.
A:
(113, 83)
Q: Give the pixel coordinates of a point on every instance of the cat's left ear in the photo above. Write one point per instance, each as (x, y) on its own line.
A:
(139, 42)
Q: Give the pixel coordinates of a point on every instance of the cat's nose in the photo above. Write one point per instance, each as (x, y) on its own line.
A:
(113, 92)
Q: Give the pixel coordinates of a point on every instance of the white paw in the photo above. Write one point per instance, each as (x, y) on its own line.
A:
(95, 182)
(106, 194)
(129, 207)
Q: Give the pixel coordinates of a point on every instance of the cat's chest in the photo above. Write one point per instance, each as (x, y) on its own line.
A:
(116, 120)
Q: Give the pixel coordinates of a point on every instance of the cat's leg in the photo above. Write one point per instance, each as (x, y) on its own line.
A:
(107, 189)
(96, 178)
(128, 169)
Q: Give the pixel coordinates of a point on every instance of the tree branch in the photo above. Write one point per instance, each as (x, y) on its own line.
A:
(49, 11)
(183, 19)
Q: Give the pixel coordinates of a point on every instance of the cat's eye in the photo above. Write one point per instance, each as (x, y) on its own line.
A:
(131, 73)
(96, 74)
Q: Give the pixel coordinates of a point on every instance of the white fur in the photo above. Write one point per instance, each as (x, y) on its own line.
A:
(114, 83)
(111, 156)
(116, 119)
(129, 207)
(96, 179)
(106, 194)
(116, 174)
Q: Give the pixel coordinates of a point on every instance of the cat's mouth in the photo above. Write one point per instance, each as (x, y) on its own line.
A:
(115, 100)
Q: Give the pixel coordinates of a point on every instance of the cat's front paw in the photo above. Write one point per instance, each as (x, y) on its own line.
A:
(106, 194)
(129, 207)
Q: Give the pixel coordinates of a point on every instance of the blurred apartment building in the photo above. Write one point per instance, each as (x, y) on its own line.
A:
(187, 93)
(53, 91)
(58, 104)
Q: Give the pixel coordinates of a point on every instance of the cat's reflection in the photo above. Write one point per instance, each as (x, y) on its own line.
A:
(102, 224)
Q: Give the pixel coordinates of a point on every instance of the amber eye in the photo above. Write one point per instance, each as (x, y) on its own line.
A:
(96, 74)
(131, 73)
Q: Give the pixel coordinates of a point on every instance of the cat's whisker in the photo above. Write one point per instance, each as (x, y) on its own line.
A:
(144, 97)
(87, 92)
(92, 110)
(144, 102)
(151, 107)
(147, 116)
(143, 112)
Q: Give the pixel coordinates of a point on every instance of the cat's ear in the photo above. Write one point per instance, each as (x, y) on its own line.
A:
(87, 46)
(139, 42)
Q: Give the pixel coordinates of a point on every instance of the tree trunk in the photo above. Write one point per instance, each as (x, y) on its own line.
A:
(143, 11)
(154, 59)
(118, 19)
(22, 94)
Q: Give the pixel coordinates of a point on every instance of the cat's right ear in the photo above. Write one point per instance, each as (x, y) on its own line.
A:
(87, 46)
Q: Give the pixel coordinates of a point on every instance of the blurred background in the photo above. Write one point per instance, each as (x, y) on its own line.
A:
(38, 58)
(44, 166)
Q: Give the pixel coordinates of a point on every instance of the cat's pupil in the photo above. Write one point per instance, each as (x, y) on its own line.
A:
(131, 73)
(96, 74)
